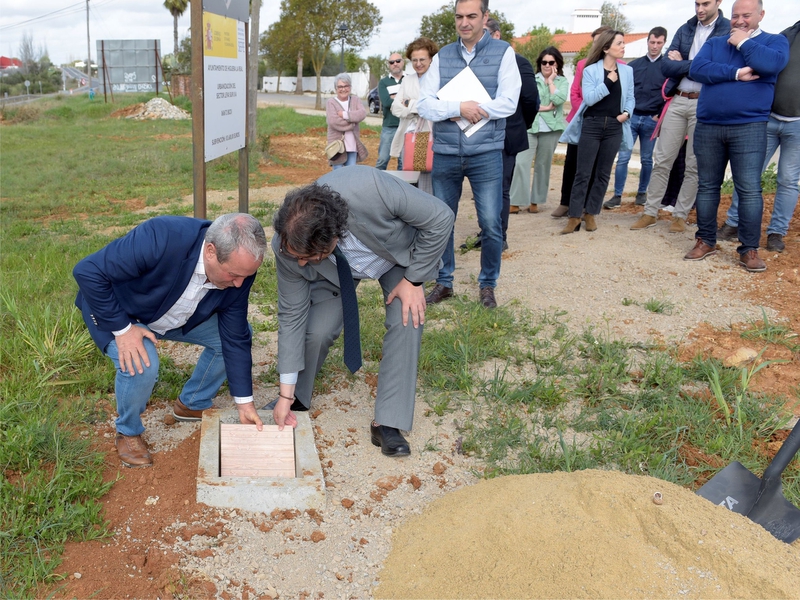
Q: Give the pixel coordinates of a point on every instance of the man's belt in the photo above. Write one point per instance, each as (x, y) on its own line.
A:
(689, 95)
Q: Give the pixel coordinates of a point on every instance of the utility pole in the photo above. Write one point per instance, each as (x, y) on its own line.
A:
(88, 49)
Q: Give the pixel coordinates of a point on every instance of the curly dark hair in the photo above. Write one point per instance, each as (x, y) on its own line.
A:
(422, 43)
(310, 219)
(552, 51)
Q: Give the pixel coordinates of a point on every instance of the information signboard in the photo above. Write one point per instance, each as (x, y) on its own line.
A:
(225, 85)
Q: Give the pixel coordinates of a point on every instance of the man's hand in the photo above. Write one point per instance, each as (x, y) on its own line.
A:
(622, 117)
(249, 416)
(131, 349)
(674, 55)
(737, 36)
(283, 415)
(412, 298)
(747, 74)
(472, 112)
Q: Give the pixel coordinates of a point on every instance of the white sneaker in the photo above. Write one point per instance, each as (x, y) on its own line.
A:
(669, 208)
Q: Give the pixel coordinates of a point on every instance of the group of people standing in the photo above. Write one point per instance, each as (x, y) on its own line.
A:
(188, 280)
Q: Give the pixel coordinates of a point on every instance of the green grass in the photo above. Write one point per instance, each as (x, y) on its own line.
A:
(531, 392)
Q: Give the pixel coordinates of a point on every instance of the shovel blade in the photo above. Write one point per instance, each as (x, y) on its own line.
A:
(737, 489)
(734, 487)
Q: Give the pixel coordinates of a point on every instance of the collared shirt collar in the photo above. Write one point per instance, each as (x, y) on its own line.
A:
(710, 25)
(200, 271)
(464, 48)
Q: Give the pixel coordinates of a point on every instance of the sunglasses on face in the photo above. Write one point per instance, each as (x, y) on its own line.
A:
(395, 62)
(548, 62)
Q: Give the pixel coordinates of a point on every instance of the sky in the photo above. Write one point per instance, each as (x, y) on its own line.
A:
(59, 26)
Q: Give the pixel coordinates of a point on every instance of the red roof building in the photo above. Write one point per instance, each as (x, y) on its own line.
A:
(10, 63)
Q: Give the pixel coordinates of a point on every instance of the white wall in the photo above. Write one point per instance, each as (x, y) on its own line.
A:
(360, 80)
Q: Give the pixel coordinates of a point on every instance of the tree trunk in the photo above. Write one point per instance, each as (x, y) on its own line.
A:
(298, 88)
(175, 37)
(318, 105)
(252, 88)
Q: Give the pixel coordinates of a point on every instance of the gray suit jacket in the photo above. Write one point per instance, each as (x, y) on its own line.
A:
(397, 221)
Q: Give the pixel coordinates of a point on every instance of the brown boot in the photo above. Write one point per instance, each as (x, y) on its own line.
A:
(678, 225)
(591, 224)
(573, 225)
(533, 208)
(512, 210)
(133, 451)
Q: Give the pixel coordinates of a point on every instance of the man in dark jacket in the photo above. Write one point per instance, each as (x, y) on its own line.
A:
(681, 116)
(179, 279)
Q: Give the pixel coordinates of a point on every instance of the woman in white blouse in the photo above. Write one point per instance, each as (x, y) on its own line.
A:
(420, 52)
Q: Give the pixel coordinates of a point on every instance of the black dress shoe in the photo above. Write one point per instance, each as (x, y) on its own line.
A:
(390, 440)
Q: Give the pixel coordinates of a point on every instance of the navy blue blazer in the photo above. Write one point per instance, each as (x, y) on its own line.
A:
(139, 277)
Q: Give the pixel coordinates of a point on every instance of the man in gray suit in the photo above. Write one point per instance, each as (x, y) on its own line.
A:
(387, 230)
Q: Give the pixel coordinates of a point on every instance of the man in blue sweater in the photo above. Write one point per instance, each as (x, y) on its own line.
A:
(738, 76)
(647, 83)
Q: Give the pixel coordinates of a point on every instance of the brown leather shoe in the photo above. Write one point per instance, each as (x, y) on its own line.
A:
(183, 413)
(513, 210)
(533, 208)
(560, 211)
(133, 451)
(700, 251)
(751, 262)
(487, 298)
(438, 293)
(591, 224)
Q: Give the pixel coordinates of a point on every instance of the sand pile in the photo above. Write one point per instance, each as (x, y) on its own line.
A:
(590, 534)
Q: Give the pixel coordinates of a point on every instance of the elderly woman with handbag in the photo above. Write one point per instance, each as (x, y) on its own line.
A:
(344, 112)
(420, 52)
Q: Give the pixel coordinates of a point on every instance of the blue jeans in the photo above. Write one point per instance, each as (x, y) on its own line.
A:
(351, 160)
(385, 147)
(641, 127)
(745, 146)
(133, 391)
(485, 174)
(785, 134)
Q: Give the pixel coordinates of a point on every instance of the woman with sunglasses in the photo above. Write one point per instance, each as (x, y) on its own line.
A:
(344, 112)
(543, 134)
(420, 52)
(600, 127)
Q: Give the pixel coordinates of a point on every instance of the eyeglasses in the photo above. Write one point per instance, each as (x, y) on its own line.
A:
(314, 260)
(342, 87)
(548, 62)
(395, 62)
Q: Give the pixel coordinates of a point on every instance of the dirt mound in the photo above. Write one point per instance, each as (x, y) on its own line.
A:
(157, 108)
(590, 534)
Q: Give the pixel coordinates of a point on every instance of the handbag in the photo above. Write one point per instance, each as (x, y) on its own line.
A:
(418, 151)
(333, 148)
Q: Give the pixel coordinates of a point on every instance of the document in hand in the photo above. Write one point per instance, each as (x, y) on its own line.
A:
(461, 88)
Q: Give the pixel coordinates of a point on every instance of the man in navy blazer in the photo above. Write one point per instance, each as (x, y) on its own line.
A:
(179, 279)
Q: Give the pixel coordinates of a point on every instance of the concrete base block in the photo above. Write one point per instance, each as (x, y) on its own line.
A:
(259, 494)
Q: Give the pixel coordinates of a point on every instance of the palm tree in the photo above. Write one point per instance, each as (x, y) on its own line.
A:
(176, 8)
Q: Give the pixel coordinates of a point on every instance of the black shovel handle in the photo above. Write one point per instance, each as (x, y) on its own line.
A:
(784, 456)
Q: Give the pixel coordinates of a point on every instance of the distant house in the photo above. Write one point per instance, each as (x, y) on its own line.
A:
(569, 44)
(10, 63)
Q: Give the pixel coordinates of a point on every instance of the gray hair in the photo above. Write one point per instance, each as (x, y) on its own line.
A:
(230, 232)
(342, 77)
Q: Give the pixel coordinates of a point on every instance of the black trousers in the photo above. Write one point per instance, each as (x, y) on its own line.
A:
(598, 146)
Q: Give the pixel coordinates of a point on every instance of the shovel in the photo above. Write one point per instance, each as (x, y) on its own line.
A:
(760, 500)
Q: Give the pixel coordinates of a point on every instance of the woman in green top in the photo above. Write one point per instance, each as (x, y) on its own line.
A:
(543, 134)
